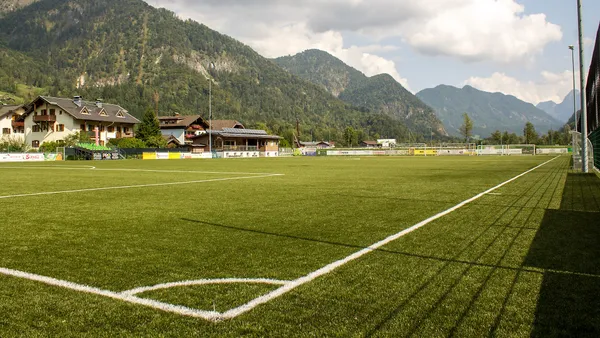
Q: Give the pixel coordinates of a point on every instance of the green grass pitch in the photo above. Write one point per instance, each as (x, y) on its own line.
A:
(523, 260)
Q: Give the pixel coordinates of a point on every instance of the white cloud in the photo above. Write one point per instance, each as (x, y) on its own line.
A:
(470, 30)
(550, 86)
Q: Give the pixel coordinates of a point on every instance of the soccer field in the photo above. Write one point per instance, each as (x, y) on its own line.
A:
(425, 247)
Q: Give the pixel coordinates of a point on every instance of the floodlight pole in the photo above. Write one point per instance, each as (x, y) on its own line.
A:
(584, 148)
(572, 48)
(210, 116)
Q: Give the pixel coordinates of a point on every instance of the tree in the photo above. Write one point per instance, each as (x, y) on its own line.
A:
(350, 136)
(529, 133)
(76, 138)
(496, 137)
(128, 143)
(149, 127)
(466, 129)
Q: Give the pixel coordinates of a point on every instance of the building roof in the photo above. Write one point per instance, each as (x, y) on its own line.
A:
(181, 121)
(8, 109)
(171, 139)
(221, 124)
(374, 143)
(241, 133)
(314, 144)
(88, 111)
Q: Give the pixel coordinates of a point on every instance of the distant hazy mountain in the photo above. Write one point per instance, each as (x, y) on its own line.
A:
(489, 111)
(380, 93)
(561, 111)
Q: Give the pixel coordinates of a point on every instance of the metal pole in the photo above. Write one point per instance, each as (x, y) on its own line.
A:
(572, 48)
(210, 116)
(584, 148)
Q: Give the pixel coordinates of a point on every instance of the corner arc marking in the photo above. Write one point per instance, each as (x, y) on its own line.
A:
(205, 282)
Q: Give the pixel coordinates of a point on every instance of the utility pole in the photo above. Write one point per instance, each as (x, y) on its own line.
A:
(210, 116)
(584, 148)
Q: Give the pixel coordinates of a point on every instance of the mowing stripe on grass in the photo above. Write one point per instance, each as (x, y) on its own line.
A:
(136, 186)
(330, 267)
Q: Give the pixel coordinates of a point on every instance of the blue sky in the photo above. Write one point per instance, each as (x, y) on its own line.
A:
(517, 47)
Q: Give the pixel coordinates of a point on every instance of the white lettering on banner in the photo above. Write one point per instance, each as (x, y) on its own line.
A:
(162, 156)
(22, 157)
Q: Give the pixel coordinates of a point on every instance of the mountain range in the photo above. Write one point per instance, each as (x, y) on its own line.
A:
(561, 111)
(489, 111)
(127, 52)
(380, 93)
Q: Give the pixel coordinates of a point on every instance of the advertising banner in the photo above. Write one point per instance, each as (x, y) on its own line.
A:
(22, 157)
(149, 156)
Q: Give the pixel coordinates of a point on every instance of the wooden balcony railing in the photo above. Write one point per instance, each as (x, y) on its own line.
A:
(44, 118)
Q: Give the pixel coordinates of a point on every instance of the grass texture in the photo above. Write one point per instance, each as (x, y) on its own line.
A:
(523, 261)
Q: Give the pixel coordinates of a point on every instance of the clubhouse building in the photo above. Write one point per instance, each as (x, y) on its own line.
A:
(53, 119)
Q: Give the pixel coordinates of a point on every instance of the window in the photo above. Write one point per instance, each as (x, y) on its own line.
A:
(120, 114)
(111, 129)
(52, 111)
(119, 129)
(60, 127)
(101, 128)
(5, 131)
(44, 112)
(82, 127)
(90, 127)
(35, 129)
(125, 130)
(84, 111)
(60, 112)
(35, 144)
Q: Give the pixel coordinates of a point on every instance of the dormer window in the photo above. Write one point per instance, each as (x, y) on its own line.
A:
(120, 114)
(103, 113)
(85, 111)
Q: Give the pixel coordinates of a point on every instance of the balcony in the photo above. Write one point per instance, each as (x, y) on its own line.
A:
(16, 124)
(44, 118)
(239, 148)
(124, 135)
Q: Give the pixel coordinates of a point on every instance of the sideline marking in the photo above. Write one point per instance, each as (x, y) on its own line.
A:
(127, 296)
(136, 186)
(332, 266)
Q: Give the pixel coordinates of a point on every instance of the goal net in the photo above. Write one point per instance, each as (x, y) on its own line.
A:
(506, 149)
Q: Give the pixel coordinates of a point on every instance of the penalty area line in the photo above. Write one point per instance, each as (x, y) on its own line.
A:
(332, 266)
(137, 186)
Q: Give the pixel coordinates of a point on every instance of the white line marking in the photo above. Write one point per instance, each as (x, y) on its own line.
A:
(57, 167)
(181, 310)
(136, 186)
(330, 267)
(49, 167)
(205, 282)
(127, 296)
